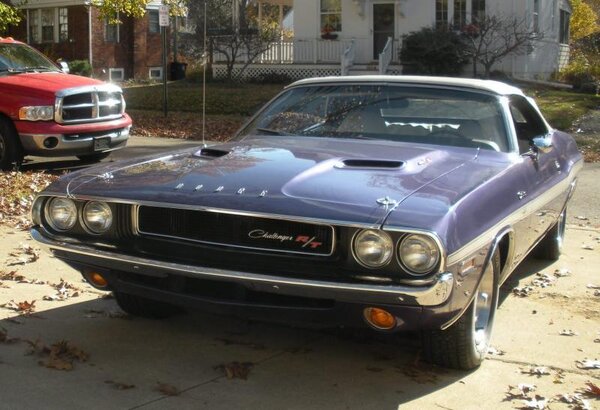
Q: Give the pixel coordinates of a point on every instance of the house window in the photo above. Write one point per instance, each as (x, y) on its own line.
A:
(34, 26)
(63, 24)
(536, 16)
(155, 73)
(116, 74)
(47, 25)
(153, 25)
(441, 13)
(111, 32)
(460, 13)
(331, 16)
(563, 33)
(477, 10)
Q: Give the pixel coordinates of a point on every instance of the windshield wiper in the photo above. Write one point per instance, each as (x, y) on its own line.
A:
(274, 132)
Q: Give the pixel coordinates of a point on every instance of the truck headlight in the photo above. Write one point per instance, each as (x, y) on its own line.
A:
(37, 113)
(373, 248)
(97, 217)
(419, 254)
(61, 214)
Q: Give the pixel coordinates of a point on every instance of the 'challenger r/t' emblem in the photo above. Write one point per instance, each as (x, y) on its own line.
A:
(306, 241)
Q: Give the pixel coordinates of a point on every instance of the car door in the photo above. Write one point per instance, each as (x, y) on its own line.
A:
(539, 172)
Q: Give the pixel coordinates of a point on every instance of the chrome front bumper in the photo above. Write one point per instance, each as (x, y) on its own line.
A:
(33, 144)
(432, 295)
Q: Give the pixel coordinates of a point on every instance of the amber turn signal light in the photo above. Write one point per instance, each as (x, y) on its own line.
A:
(97, 280)
(379, 318)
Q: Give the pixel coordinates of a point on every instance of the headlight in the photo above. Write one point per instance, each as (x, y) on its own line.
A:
(419, 254)
(97, 217)
(37, 113)
(373, 249)
(61, 214)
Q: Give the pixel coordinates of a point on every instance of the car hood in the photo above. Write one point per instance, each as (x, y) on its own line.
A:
(43, 84)
(339, 180)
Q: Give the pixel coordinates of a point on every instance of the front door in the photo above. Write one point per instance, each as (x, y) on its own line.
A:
(383, 26)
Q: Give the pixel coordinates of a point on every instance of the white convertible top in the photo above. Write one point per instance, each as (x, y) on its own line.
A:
(495, 87)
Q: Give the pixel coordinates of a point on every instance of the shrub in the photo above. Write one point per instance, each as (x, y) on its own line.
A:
(80, 67)
(272, 78)
(433, 51)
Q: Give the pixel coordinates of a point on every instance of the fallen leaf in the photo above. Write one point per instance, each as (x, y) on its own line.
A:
(561, 273)
(495, 352)
(24, 307)
(587, 247)
(582, 218)
(575, 400)
(538, 403)
(592, 389)
(568, 332)
(236, 370)
(536, 371)
(588, 364)
(591, 286)
(167, 389)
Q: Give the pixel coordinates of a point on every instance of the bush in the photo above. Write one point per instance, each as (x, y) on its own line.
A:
(80, 67)
(433, 51)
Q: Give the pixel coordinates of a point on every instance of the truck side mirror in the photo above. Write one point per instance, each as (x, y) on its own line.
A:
(64, 66)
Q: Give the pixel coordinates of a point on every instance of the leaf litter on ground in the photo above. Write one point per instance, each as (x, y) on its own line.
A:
(24, 307)
(119, 385)
(60, 356)
(236, 370)
(23, 255)
(167, 389)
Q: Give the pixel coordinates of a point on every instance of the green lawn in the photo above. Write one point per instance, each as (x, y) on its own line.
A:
(221, 99)
(562, 108)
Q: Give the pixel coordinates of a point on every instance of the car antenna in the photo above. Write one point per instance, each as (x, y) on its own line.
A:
(204, 63)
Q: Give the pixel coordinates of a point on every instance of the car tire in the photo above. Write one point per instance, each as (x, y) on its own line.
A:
(465, 343)
(92, 158)
(143, 307)
(11, 153)
(550, 247)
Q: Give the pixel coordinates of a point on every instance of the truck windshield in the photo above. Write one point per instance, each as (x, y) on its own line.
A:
(19, 58)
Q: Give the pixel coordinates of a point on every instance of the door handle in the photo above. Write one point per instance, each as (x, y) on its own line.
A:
(521, 194)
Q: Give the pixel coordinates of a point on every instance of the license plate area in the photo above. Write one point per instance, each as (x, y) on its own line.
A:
(101, 143)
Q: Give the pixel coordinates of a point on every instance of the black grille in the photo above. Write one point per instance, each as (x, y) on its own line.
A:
(236, 230)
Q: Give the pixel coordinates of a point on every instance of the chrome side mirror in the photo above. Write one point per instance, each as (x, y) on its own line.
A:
(542, 144)
(64, 66)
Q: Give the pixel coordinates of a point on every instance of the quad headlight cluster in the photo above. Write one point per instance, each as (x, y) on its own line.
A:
(37, 113)
(418, 254)
(62, 215)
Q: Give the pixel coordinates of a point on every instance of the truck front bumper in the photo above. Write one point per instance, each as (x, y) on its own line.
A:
(55, 140)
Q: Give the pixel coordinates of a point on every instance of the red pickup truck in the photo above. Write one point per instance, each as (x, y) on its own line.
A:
(46, 112)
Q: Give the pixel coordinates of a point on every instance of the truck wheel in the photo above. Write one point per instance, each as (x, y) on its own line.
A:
(465, 344)
(143, 307)
(10, 149)
(550, 247)
(91, 158)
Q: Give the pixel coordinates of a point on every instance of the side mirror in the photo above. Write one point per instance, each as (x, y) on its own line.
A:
(64, 66)
(543, 144)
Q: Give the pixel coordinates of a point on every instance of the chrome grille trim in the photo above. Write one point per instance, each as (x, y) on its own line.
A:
(95, 105)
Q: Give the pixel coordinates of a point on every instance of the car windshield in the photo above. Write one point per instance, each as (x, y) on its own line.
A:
(390, 112)
(19, 58)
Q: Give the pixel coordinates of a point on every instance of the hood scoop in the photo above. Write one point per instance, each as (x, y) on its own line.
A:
(370, 164)
(211, 153)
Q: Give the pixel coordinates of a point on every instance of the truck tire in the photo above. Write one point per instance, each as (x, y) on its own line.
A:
(91, 158)
(550, 247)
(143, 307)
(11, 154)
(465, 343)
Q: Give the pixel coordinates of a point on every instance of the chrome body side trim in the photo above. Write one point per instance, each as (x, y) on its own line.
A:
(487, 236)
(434, 295)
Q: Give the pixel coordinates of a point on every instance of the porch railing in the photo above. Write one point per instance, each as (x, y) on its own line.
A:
(348, 58)
(385, 57)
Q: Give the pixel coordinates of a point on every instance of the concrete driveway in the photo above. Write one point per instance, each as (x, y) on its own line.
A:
(182, 363)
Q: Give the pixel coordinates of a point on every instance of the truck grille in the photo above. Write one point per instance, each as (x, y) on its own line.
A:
(89, 104)
(236, 230)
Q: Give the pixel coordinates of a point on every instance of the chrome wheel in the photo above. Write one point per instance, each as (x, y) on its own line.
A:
(483, 306)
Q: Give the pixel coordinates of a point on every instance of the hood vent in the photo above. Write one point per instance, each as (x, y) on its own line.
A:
(211, 153)
(370, 163)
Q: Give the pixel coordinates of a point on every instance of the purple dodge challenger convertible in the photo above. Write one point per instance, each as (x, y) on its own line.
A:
(400, 203)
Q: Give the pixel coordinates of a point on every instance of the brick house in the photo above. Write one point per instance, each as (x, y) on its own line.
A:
(72, 30)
